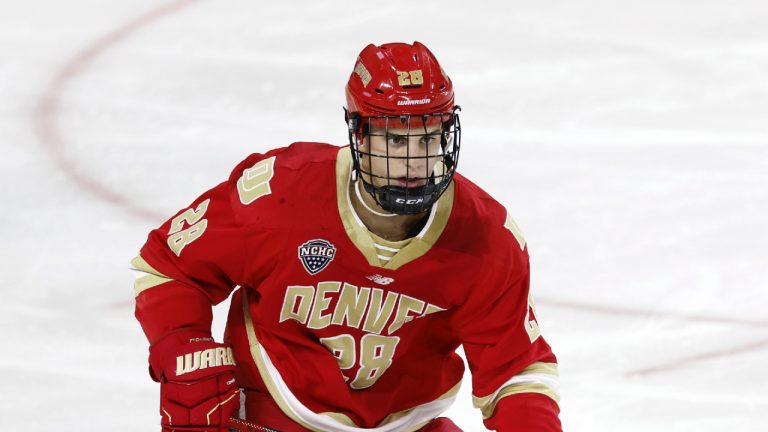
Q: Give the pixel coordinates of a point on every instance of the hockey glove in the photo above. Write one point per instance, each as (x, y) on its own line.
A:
(197, 383)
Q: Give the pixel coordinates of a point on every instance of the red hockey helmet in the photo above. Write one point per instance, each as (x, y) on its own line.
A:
(398, 79)
(399, 85)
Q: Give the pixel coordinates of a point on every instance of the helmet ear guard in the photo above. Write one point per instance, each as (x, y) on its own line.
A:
(408, 90)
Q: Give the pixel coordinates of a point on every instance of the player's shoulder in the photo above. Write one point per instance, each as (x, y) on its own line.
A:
(293, 157)
(283, 168)
(483, 225)
(273, 186)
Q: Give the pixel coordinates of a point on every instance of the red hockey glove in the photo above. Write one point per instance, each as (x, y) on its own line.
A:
(197, 383)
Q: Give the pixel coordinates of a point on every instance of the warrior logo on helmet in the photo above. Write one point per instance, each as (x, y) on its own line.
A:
(414, 102)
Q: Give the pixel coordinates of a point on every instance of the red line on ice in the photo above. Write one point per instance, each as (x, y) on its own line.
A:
(48, 107)
(686, 361)
(626, 311)
(680, 362)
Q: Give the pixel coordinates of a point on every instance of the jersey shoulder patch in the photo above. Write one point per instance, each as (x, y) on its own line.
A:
(273, 189)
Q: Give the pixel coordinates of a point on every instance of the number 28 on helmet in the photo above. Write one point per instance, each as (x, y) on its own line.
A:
(404, 129)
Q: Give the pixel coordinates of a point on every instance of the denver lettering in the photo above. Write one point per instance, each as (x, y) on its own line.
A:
(369, 309)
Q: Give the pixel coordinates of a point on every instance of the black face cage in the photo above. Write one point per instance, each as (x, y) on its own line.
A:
(414, 192)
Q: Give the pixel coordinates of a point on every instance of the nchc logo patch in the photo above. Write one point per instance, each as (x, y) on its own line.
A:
(315, 255)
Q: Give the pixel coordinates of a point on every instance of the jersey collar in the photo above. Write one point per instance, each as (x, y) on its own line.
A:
(361, 237)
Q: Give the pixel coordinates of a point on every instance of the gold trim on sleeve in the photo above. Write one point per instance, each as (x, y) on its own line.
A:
(539, 378)
(151, 279)
(541, 367)
(512, 226)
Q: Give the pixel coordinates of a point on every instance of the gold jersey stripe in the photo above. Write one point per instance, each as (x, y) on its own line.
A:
(514, 389)
(362, 238)
(512, 226)
(278, 390)
(385, 254)
(385, 244)
(341, 418)
(541, 367)
(447, 395)
(151, 279)
(378, 246)
(259, 359)
(539, 378)
(387, 249)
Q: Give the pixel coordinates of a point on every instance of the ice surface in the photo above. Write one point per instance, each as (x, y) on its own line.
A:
(628, 139)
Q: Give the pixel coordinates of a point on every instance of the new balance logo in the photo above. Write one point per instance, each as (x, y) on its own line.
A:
(212, 357)
(379, 279)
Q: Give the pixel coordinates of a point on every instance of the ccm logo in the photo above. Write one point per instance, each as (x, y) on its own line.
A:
(409, 201)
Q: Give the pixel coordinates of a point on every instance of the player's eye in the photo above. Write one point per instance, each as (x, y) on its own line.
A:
(397, 140)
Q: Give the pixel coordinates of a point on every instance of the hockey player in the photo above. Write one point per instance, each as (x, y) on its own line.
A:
(361, 269)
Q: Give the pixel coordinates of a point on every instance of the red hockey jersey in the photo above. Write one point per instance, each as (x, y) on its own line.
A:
(341, 340)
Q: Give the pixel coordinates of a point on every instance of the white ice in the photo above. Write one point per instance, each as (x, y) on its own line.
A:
(628, 138)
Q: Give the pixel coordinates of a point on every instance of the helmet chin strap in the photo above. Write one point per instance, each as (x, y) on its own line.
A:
(362, 201)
